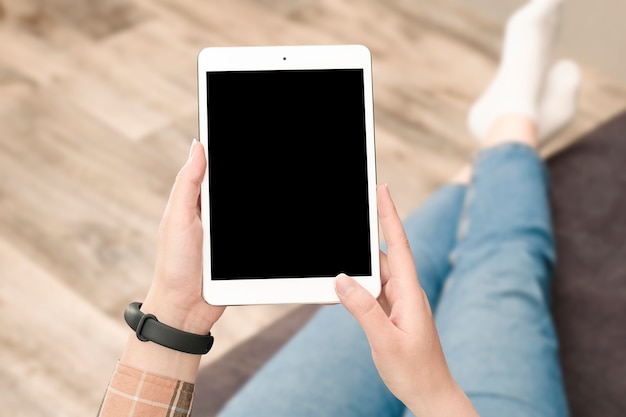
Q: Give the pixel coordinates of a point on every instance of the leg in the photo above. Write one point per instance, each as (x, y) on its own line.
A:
(326, 369)
(494, 314)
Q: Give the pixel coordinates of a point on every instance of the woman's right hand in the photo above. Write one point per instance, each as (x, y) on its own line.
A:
(400, 327)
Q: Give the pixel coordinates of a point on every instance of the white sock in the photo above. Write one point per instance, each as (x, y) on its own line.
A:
(559, 101)
(517, 86)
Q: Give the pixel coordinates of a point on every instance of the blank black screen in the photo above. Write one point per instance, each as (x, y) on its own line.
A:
(287, 174)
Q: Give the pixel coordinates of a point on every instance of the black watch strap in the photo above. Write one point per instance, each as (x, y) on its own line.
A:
(148, 328)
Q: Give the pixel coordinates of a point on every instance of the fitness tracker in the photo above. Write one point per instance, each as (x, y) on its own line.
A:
(148, 328)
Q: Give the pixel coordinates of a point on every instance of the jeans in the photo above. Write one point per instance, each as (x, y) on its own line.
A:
(484, 255)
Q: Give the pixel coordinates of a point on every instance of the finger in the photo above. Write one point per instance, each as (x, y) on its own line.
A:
(363, 307)
(399, 257)
(384, 268)
(384, 279)
(186, 190)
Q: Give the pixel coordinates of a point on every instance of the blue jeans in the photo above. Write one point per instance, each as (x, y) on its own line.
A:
(484, 255)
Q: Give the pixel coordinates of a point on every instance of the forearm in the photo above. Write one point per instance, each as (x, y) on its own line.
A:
(152, 379)
(146, 394)
(159, 360)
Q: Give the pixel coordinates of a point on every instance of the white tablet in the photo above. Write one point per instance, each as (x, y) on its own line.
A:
(288, 200)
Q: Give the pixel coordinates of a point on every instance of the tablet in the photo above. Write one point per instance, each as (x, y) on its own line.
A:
(288, 199)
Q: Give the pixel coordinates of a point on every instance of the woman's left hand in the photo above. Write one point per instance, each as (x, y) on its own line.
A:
(175, 296)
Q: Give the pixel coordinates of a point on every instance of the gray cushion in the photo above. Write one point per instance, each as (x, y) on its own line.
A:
(589, 291)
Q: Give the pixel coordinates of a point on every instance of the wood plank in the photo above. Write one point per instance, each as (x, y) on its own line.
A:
(87, 212)
(94, 19)
(55, 347)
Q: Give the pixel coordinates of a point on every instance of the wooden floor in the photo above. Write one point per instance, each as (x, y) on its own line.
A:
(97, 110)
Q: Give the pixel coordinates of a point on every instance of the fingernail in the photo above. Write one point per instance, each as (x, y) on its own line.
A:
(344, 284)
(191, 150)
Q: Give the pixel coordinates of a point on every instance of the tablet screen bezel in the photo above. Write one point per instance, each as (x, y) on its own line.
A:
(300, 289)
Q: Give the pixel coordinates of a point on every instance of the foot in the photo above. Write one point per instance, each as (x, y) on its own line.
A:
(517, 86)
(559, 102)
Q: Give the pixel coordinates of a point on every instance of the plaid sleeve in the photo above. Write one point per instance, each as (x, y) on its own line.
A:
(133, 392)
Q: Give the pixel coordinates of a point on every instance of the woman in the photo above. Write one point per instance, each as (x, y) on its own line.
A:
(463, 324)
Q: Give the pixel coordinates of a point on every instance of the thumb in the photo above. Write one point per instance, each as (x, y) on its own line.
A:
(363, 307)
(186, 189)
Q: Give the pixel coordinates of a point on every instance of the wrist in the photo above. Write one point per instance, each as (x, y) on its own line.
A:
(449, 400)
(177, 319)
(181, 316)
(158, 348)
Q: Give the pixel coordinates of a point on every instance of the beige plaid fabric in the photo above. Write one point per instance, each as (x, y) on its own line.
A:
(135, 393)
